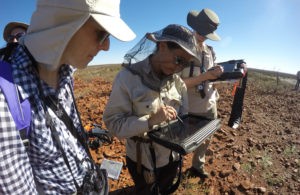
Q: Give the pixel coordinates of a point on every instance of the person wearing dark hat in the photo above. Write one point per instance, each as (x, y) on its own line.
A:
(63, 36)
(202, 95)
(13, 31)
(146, 93)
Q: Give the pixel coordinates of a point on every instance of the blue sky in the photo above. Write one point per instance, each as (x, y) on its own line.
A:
(266, 33)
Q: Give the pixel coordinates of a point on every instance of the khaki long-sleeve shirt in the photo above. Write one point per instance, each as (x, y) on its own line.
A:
(197, 104)
(131, 104)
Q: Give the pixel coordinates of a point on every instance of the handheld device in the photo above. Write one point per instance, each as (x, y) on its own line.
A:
(232, 70)
(187, 136)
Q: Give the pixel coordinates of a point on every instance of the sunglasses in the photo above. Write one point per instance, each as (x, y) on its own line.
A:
(102, 36)
(17, 36)
(180, 61)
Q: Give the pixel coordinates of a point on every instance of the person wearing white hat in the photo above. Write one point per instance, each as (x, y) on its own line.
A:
(147, 93)
(62, 35)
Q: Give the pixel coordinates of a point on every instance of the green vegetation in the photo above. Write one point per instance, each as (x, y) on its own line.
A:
(265, 162)
(248, 167)
(289, 151)
(268, 81)
(192, 185)
(105, 72)
(273, 180)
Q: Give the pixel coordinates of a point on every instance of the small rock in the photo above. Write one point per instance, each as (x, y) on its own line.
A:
(295, 170)
(226, 155)
(213, 173)
(230, 179)
(279, 150)
(235, 154)
(236, 166)
(278, 132)
(258, 146)
(239, 157)
(108, 153)
(194, 180)
(245, 185)
(225, 173)
(287, 165)
(262, 189)
(233, 133)
(294, 177)
(288, 131)
(228, 145)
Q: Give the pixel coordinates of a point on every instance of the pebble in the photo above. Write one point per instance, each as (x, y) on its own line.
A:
(262, 189)
(236, 166)
(245, 184)
(225, 173)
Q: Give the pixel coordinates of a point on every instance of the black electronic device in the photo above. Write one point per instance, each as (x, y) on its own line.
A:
(184, 136)
(232, 70)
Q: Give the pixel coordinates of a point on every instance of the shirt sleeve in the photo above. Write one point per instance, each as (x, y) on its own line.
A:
(185, 104)
(118, 115)
(16, 176)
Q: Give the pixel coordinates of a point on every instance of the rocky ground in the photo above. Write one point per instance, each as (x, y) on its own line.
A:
(261, 157)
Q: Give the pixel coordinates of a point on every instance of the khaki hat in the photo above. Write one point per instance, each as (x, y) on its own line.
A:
(204, 23)
(12, 25)
(54, 23)
(177, 34)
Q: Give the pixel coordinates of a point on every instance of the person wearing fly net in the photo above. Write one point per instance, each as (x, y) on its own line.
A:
(62, 36)
(147, 92)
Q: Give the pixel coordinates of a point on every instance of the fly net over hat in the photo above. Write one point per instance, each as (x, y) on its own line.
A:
(172, 33)
(204, 23)
(55, 22)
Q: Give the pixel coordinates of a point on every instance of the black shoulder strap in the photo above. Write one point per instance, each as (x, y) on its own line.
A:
(191, 69)
(57, 140)
(63, 116)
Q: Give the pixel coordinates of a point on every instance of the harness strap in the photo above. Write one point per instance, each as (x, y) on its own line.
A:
(172, 188)
(138, 140)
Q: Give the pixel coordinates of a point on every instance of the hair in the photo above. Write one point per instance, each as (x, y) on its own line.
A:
(5, 52)
(171, 46)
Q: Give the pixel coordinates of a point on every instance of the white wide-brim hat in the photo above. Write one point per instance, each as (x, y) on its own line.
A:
(54, 22)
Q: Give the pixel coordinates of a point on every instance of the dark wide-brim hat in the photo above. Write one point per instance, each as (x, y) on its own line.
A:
(177, 34)
(10, 26)
(204, 23)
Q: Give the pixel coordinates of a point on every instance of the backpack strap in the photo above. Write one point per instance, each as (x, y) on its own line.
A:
(19, 109)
